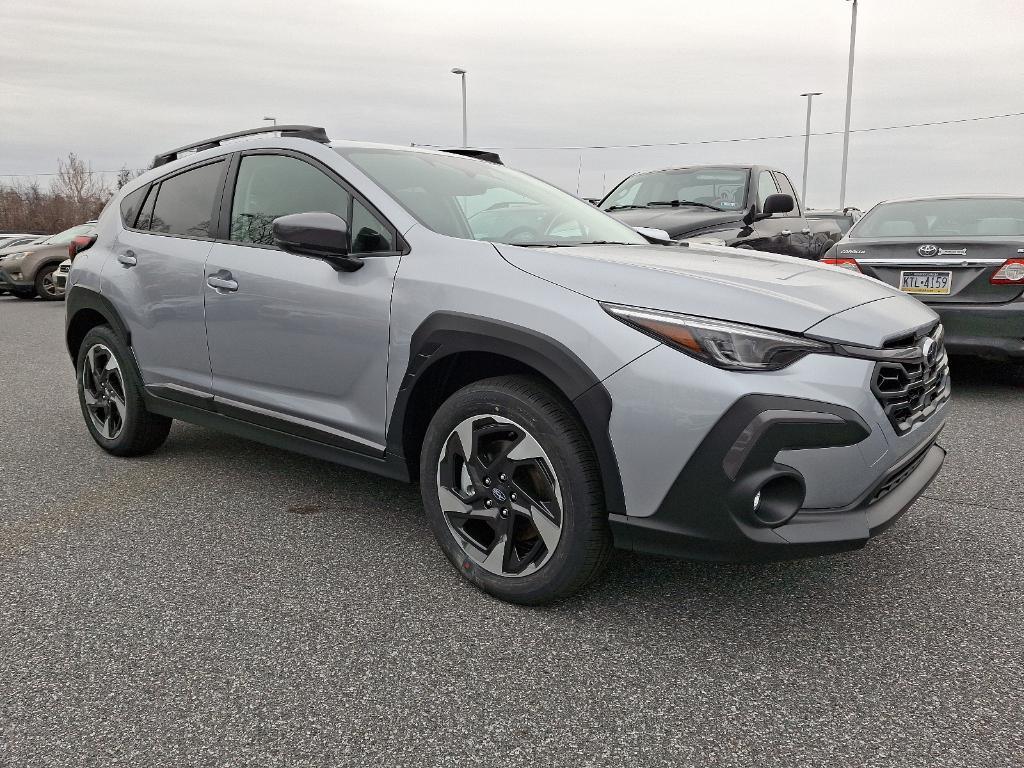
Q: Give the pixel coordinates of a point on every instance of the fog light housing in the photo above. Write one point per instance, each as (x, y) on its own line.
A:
(777, 500)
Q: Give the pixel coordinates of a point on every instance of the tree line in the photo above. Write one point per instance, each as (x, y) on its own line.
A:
(75, 195)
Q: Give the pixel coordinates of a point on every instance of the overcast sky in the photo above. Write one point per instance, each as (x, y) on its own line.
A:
(117, 82)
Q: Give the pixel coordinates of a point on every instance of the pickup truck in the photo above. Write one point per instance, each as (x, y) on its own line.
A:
(745, 206)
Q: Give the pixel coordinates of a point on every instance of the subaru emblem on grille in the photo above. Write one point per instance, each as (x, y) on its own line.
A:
(928, 350)
(928, 250)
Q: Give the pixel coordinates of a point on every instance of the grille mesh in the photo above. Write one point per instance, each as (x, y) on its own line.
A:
(910, 391)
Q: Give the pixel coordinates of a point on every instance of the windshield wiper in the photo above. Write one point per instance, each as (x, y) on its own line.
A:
(677, 203)
(624, 207)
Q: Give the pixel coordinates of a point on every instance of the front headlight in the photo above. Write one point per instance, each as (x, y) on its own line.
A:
(733, 346)
(13, 260)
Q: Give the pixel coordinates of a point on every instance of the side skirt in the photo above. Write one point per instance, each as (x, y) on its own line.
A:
(385, 465)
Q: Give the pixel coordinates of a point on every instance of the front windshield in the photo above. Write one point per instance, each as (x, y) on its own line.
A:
(476, 200)
(962, 217)
(721, 188)
(65, 237)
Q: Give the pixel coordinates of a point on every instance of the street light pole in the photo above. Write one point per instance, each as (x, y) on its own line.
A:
(849, 105)
(807, 142)
(462, 74)
(272, 119)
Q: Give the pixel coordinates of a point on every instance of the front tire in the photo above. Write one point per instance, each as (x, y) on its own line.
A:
(46, 288)
(512, 490)
(110, 395)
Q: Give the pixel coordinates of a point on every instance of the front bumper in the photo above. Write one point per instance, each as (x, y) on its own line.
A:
(715, 529)
(8, 283)
(994, 331)
(696, 446)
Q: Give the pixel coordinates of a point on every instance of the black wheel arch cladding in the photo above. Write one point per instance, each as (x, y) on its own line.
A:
(445, 334)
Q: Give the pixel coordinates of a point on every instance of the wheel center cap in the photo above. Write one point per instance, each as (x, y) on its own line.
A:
(499, 495)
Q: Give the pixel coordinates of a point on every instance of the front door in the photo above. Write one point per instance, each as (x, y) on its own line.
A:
(294, 344)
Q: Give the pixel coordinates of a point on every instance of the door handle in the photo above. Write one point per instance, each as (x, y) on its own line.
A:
(786, 232)
(222, 282)
(127, 258)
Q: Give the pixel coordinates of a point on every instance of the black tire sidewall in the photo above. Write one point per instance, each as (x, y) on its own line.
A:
(561, 574)
(134, 407)
(49, 269)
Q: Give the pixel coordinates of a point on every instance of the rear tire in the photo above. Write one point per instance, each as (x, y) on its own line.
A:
(519, 511)
(46, 288)
(110, 395)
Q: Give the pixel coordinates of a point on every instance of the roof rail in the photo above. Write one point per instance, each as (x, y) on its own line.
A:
(310, 132)
(478, 154)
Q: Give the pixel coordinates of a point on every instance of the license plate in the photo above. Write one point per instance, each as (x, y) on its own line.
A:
(926, 282)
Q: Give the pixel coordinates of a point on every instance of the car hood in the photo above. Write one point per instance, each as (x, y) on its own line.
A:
(725, 283)
(678, 222)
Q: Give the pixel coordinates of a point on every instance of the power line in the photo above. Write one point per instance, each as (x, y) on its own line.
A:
(695, 142)
(754, 138)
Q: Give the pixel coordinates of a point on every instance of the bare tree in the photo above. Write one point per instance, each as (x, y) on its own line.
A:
(76, 182)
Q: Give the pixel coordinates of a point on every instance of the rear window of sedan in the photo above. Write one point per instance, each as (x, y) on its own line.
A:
(962, 217)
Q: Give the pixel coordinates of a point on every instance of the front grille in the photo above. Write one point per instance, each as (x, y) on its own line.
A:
(911, 390)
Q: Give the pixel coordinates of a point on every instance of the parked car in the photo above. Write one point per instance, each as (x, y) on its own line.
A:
(961, 255)
(60, 277)
(553, 397)
(28, 272)
(842, 218)
(745, 206)
(10, 240)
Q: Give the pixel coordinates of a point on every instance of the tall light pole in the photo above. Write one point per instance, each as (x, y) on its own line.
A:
(849, 105)
(807, 142)
(465, 134)
(271, 119)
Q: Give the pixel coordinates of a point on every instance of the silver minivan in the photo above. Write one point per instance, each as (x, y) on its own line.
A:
(556, 384)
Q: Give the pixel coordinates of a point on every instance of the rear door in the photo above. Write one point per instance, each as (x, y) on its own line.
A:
(156, 277)
(298, 346)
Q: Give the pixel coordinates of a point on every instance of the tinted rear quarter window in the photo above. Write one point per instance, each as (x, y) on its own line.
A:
(185, 202)
(131, 205)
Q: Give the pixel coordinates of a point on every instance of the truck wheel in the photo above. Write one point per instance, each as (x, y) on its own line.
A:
(512, 491)
(46, 288)
(110, 394)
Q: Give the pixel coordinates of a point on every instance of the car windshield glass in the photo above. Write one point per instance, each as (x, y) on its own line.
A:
(65, 237)
(721, 188)
(964, 217)
(476, 200)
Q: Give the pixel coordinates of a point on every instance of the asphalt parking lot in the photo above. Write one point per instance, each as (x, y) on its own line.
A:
(224, 603)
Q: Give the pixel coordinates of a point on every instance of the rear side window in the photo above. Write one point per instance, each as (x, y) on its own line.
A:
(269, 186)
(185, 202)
(131, 205)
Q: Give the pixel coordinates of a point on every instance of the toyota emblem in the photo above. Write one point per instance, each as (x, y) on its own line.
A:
(928, 250)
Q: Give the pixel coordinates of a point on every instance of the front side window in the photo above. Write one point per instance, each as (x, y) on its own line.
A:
(369, 234)
(765, 186)
(185, 202)
(786, 187)
(723, 189)
(474, 200)
(270, 186)
(982, 217)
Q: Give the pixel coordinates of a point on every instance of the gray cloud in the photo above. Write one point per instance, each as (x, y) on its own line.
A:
(117, 82)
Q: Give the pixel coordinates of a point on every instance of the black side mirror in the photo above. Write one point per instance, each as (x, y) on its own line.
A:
(778, 203)
(319, 235)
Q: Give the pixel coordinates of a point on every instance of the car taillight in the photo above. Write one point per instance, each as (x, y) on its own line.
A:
(850, 264)
(1011, 273)
(79, 244)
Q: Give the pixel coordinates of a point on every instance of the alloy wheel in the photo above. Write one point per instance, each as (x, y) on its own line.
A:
(500, 496)
(103, 391)
(49, 285)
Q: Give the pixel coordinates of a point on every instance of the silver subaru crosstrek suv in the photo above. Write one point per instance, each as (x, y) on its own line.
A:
(556, 384)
